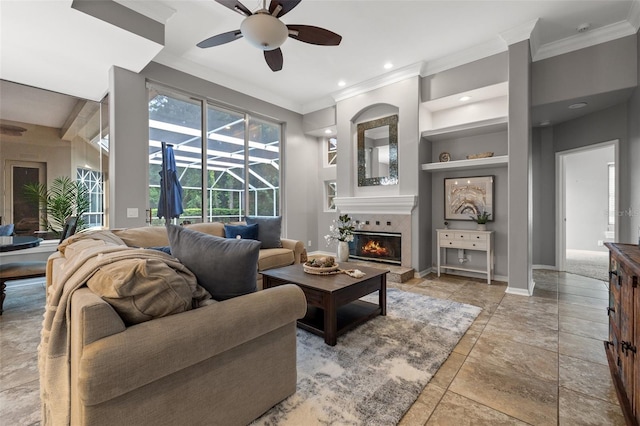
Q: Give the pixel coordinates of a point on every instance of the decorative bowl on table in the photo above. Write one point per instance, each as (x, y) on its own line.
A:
(321, 266)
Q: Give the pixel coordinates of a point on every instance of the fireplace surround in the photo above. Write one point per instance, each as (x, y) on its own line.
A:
(376, 246)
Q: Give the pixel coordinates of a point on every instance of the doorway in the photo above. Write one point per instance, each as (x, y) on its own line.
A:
(23, 212)
(587, 197)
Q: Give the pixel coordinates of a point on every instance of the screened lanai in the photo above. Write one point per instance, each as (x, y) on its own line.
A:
(241, 158)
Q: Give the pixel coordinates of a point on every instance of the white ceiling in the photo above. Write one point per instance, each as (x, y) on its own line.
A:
(49, 44)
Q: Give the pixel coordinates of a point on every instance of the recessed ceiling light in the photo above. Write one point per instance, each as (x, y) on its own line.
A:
(341, 83)
(464, 98)
(578, 105)
(545, 123)
(328, 131)
(388, 65)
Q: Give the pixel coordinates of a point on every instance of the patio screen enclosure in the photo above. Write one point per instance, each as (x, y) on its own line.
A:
(240, 155)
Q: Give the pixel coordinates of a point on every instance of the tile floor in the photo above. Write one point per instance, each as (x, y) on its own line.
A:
(525, 360)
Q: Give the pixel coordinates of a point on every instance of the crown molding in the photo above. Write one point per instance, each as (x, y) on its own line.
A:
(580, 41)
(378, 82)
(519, 33)
(462, 57)
(397, 204)
(634, 15)
(151, 9)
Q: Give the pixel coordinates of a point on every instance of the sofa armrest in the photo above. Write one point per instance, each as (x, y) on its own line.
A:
(154, 349)
(296, 246)
(92, 318)
(54, 259)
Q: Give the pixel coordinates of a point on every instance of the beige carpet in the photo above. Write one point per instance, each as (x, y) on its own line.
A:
(592, 264)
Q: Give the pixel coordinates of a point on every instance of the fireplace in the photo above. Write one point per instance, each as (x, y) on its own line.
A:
(376, 246)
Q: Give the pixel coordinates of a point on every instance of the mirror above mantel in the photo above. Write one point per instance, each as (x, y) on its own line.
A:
(378, 151)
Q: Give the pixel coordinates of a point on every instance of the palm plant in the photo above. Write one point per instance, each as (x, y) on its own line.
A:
(63, 198)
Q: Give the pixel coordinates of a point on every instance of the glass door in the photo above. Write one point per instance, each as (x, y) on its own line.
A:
(23, 212)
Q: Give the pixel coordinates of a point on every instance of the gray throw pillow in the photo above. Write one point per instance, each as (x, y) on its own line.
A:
(225, 267)
(269, 230)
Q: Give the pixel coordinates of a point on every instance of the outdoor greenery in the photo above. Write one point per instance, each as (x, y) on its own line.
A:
(63, 198)
(226, 187)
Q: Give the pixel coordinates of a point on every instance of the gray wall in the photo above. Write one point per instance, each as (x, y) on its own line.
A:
(484, 72)
(587, 197)
(544, 197)
(597, 69)
(128, 148)
(129, 143)
(633, 161)
(520, 169)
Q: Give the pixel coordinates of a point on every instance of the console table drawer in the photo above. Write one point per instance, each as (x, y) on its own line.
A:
(469, 245)
(470, 236)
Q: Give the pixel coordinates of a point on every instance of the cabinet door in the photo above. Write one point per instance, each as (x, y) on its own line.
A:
(627, 357)
(636, 343)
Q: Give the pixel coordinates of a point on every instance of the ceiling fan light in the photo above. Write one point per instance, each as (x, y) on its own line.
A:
(264, 31)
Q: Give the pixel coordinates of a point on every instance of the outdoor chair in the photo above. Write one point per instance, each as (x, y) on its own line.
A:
(30, 269)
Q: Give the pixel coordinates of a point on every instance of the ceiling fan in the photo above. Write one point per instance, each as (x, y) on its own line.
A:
(264, 30)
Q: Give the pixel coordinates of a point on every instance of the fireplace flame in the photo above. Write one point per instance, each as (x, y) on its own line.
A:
(374, 247)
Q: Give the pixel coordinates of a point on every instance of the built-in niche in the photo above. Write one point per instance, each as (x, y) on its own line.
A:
(377, 146)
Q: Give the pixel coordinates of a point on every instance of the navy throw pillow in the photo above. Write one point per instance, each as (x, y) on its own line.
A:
(164, 249)
(246, 232)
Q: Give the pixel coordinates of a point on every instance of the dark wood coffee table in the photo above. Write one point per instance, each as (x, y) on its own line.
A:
(333, 305)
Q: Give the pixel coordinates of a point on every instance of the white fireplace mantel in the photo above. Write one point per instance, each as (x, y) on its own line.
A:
(397, 204)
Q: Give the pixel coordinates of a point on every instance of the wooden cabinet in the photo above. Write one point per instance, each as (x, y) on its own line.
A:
(624, 327)
(465, 240)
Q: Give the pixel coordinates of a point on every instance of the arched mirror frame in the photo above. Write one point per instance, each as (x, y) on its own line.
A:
(392, 179)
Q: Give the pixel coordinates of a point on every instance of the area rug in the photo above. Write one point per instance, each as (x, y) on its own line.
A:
(376, 371)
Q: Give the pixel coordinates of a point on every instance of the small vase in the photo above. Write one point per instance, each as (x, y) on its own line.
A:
(343, 251)
(481, 227)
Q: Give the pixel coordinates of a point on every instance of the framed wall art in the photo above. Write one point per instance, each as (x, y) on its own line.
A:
(466, 196)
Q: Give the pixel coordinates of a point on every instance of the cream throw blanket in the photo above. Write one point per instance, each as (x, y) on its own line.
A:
(84, 254)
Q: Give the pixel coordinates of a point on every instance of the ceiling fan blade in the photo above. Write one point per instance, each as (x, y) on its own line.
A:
(236, 6)
(219, 39)
(274, 59)
(314, 35)
(286, 6)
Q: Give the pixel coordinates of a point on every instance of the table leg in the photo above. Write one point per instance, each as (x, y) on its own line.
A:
(383, 295)
(330, 321)
(2, 295)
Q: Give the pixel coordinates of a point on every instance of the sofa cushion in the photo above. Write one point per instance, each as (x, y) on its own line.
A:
(143, 289)
(249, 232)
(225, 267)
(269, 230)
(211, 228)
(145, 236)
(275, 258)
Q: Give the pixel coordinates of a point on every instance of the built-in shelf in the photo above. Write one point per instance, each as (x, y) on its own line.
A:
(476, 163)
(481, 127)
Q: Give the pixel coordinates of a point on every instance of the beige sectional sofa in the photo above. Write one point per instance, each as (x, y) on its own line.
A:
(225, 363)
(292, 251)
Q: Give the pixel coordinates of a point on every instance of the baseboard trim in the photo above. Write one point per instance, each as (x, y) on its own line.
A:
(548, 267)
(518, 291)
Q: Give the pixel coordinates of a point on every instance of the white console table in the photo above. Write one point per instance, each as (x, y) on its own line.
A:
(466, 240)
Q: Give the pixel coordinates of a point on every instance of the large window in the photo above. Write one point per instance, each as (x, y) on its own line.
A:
(241, 158)
(92, 179)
